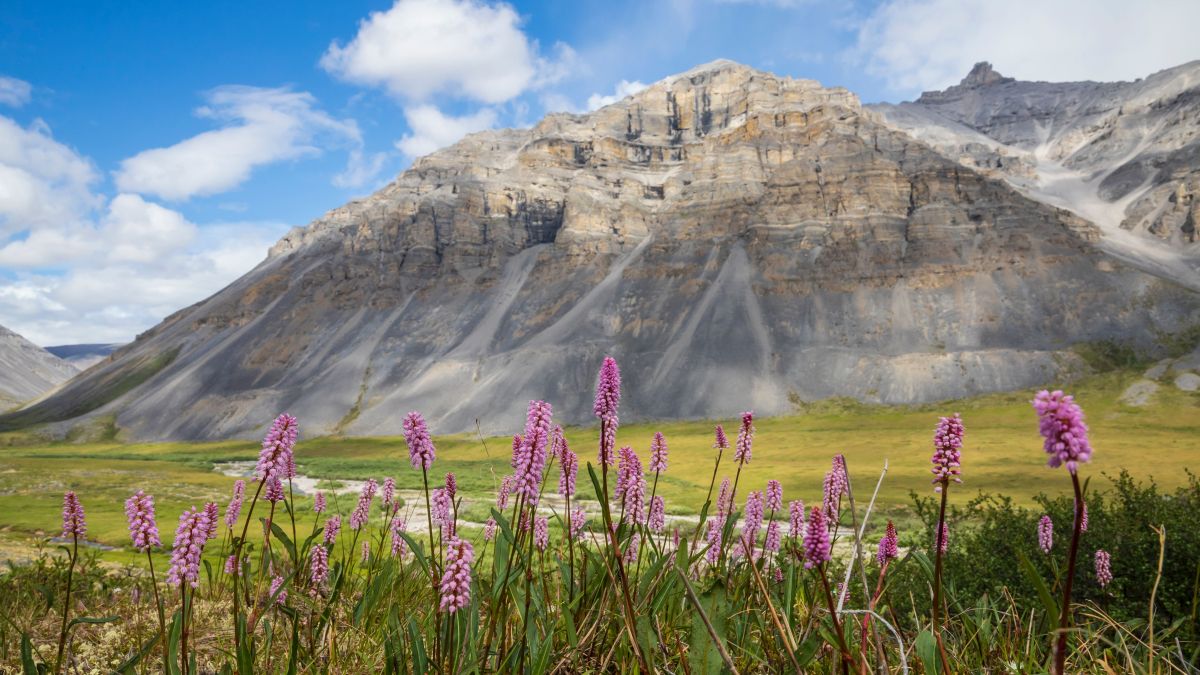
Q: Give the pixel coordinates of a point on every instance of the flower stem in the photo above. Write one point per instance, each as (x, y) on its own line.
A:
(62, 633)
(162, 619)
(1060, 649)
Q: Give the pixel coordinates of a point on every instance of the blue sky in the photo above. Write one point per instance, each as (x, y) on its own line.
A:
(149, 154)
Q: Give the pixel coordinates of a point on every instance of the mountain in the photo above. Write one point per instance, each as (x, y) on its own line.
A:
(26, 370)
(1124, 155)
(736, 239)
(83, 356)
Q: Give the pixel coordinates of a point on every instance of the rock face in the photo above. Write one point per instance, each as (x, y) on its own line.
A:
(1123, 155)
(26, 370)
(734, 238)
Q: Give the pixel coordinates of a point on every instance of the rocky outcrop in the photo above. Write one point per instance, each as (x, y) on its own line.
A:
(1124, 155)
(735, 238)
(26, 370)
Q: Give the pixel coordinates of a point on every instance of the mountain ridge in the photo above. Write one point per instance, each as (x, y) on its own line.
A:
(735, 238)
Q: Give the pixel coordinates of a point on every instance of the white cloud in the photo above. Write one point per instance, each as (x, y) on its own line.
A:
(624, 88)
(259, 126)
(466, 48)
(361, 169)
(930, 44)
(41, 180)
(432, 129)
(14, 92)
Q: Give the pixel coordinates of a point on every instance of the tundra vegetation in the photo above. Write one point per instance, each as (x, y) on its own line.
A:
(578, 563)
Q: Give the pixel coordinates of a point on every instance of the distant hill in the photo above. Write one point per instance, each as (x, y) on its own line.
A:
(83, 356)
(28, 371)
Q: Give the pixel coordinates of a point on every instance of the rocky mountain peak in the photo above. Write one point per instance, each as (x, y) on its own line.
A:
(982, 75)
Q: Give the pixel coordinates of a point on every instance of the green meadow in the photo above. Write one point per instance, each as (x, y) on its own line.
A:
(1002, 454)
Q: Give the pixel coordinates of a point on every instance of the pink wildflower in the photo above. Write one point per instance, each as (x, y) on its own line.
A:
(319, 503)
(399, 546)
(234, 510)
(1060, 421)
(774, 538)
(796, 513)
(451, 486)
(455, 587)
(274, 491)
(541, 533)
(745, 439)
(947, 450)
(212, 516)
(754, 518)
(318, 568)
(530, 460)
(713, 535)
(569, 470)
(817, 546)
(421, 452)
(277, 588)
(1045, 534)
(489, 529)
(944, 544)
(888, 546)
(506, 486)
(632, 489)
(143, 529)
(721, 441)
(1103, 568)
(190, 538)
(724, 499)
(276, 459)
(774, 495)
(362, 512)
(575, 522)
(658, 453)
(74, 523)
(332, 525)
(657, 520)
(608, 398)
(389, 494)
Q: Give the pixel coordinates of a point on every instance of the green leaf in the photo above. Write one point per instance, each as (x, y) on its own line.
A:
(90, 619)
(703, 655)
(418, 552)
(927, 651)
(288, 544)
(28, 666)
(1039, 585)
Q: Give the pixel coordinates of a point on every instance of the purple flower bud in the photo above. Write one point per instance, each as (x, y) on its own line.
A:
(276, 460)
(506, 486)
(774, 495)
(231, 565)
(277, 587)
(754, 518)
(274, 491)
(1045, 534)
(658, 453)
(74, 523)
(421, 452)
(332, 526)
(451, 486)
(530, 461)
(796, 513)
(713, 535)
(455, 587)
(1103, 568)
(745, 439)
(143, 528)
(439, 507)
(1060, 421)
(569, 469)
(657, 520)
(631, 551)
(389, 493)
(608, 398)
(889, 548)
(541, 533)
(722, 441)
(724, 499)
(631, 485)
(774, 538)
(576, 520)
(489, 529)
(212, 516)
(817, 546)
(190, 538)
(319, 503)
(234, 510)
(318, 568)
(947, 451)
(836, 485)
(362, 512)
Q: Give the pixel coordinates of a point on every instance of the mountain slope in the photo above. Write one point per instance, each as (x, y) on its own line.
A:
(26, 370)
(83, 356)
(1124, 155)
(734, 238)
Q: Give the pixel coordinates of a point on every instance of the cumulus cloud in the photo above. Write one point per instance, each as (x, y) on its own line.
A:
(42, 181)
(361, 169)
(258, 126)
(433, 129)
(78, 267)
(919, 45)
(14, 92)
(466, 48)
(624, 88)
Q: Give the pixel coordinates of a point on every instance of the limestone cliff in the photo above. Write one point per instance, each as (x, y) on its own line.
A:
(735, 238)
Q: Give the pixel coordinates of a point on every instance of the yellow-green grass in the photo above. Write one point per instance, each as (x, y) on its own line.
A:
(1002, 455)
